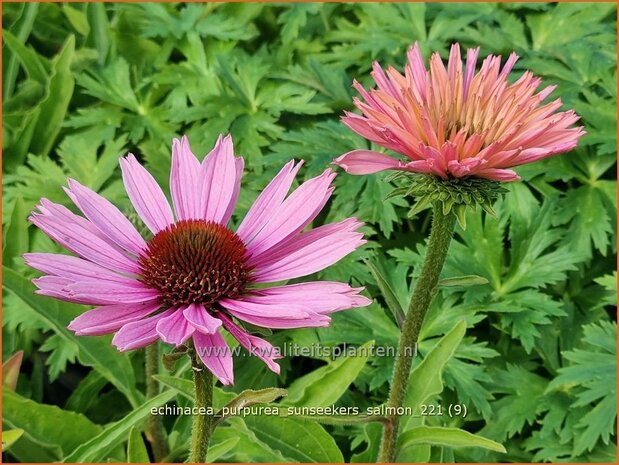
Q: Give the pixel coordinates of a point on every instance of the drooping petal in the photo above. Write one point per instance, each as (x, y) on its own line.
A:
(184, 186)
(199, 317)
(174, 329)
(109, 318)
(267, 202)
(107, 218)
(254, 345)
(219, 174)
(367, 162)
(145, 194)
(138, 334)
(216, 355)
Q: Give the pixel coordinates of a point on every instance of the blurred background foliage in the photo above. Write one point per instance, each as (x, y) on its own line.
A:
(85, 83)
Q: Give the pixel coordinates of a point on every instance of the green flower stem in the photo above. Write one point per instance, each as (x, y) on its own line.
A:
(440, 237)
(155, 431)
(202, 424)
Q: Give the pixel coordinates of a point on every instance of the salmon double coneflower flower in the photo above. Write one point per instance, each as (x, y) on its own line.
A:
(195, 276)
(453, 122)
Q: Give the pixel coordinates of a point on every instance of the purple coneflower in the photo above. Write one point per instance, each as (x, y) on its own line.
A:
(195, 276)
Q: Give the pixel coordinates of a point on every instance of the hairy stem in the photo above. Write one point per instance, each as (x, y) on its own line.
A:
(202, 423)
(440, 237)
(155, 431)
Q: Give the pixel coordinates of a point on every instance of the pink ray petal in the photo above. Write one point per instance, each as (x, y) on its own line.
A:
(240, 166)
(68, 266)
(57, 287)
(296, 212)
(174, 329)
(107, 218)
(62, 213)
(367, 162)
(254, 345)
(310, 258)
(184, 185)
(109, 318)
(138, 334)
(267, 202)
(99, 293)
(258, 305)
(219, 174)
(297, 242)
(216, 355)
(74, 237)
(145, 194)
(496, 174)
(321, 297)
(199, 317)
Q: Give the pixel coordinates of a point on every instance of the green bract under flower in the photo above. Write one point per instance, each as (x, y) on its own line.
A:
(455, 194)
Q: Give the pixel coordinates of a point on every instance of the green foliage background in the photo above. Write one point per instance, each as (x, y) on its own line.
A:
(85, 83)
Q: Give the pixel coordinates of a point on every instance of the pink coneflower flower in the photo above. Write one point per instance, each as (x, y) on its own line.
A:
(455, 123)
(196, 277)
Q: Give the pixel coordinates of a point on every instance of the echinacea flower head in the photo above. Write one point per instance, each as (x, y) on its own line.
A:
(454, 122)
(195, 277)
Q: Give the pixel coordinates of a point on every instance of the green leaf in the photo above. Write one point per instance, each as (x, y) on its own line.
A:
(98, 448)
(22, 28)
(136, 449)
(219, 449)
(426, 378)
(92, 351)
(325, 385)
(15, 239)
(53, 108)
(33, 64)
(298, 441)
(450, 437)
(182, 386)
(592, 372)
(77, 18)
(41, 422)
